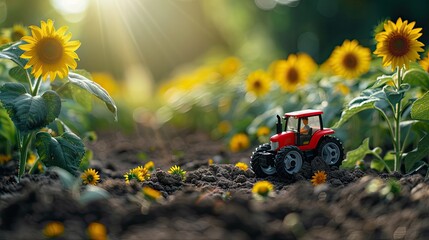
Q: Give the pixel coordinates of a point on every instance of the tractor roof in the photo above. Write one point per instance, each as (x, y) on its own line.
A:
(304, 113)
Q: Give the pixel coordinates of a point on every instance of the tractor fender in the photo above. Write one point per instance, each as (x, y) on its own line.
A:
(315, 139)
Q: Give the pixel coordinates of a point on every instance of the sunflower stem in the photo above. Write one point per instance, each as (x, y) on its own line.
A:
(398, 114)
(35, 90)
(24, 146)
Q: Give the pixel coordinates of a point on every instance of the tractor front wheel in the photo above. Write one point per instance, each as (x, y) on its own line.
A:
(331, 150)
(289, 161)
(262, 162)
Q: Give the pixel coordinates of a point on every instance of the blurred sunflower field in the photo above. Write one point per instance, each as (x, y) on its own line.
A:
(229, 67)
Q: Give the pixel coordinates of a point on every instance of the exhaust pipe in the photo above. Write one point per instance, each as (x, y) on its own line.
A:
(279, 125)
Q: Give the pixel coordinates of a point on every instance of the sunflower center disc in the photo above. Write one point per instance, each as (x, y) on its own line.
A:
(50, 50)
(350, 61)
(292, 75)
(398, 46)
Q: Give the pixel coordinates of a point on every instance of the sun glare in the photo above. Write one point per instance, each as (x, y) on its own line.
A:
(72, 10)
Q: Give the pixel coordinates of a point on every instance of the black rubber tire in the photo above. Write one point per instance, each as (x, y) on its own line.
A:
(331, 150)
(289, 160)
(256, 159)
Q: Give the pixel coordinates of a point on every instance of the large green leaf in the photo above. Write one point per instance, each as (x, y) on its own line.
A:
(356, 107)
(7, 130)
(14, 53)
(65, 151)
(356, 155)
(93, 88)
(29, 113)
(19, 74)
(417, 154)
(417, 78)
(420, 108)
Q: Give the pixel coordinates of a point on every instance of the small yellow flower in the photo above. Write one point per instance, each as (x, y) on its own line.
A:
(97, 231)
(134, 174)
(263, 131)
(176, 170)
(50, 52)
(151, 194)
(258, 83)
(210, 161)
(4, 159)
(229, 66)
(291, 73)
(350, 60)
(242, 166)
(318, 178)
(239, 142)
(144, 171)
(262, 189)
(90, 176)
(53, 229)
(150, 166)
(398, 44)
(18, 31)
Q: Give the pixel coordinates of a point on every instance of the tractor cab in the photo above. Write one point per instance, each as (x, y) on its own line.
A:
(303, 126)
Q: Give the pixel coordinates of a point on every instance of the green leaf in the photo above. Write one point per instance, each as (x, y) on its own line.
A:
(417, 78)
(357, 106)
(382, 80)
(84, 164)
(94, 89)
(356, 155)
(7, 130)
(377, 165)
(14, 53)
(18, 74)
(395, 96)
(417, 154)
(420, 108)
(29, 113)
(65, 151)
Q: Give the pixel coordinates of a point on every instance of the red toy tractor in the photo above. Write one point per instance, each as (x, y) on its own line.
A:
(302, 138)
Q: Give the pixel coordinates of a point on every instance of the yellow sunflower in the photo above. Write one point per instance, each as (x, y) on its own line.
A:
(258, 83)
(49, 51)
(134, 173)
(239, 142)
(290, 73)
(350, 60)
(90, 176)
(398, 44)
(425, 63)
(18, 31)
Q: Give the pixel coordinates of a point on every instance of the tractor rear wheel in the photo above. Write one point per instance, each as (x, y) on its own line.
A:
(262, 162)
(331, 150)
(289, 160)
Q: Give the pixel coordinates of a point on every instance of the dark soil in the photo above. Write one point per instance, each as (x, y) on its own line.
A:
(214, 202)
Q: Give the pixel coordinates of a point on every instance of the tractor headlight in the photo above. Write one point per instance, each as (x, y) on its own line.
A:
(274, 145)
